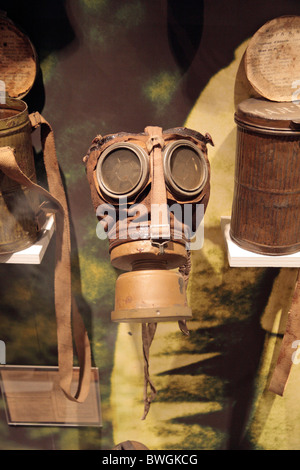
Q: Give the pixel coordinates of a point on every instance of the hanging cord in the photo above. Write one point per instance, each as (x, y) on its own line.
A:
(148, 332)
(185, 271)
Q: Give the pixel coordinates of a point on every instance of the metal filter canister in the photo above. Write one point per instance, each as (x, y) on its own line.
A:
(266, 203)
(18, 205)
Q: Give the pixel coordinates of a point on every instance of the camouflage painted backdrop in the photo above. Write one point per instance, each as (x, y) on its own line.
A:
(107, 66)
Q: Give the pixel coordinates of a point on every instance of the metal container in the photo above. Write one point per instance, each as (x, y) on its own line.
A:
(18, 205)
(266, 203)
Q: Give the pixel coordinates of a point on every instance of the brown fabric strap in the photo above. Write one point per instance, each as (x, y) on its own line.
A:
(148, 332)
(185, 271)
(160, 227)
(64, 303)
(292, 333)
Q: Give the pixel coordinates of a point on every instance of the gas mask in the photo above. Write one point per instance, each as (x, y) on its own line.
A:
(150, 192)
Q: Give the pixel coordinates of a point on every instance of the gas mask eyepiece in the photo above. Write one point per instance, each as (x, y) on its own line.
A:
(185, 169)
(122, 170)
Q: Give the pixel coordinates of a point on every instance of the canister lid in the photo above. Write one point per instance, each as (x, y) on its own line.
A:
(18, 64)
(272, 59)
(265, 114)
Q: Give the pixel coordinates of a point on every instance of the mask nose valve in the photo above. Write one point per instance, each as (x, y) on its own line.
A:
(160, 235)
(161, 246)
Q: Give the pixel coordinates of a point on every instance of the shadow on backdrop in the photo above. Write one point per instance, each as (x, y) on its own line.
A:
(185, 26)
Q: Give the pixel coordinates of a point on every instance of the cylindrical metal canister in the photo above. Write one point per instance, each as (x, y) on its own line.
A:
(266, 203)
(150, 295)
(18, 205)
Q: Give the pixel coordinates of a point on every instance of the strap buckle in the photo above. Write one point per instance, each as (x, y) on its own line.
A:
(160, 236)
(35, 119)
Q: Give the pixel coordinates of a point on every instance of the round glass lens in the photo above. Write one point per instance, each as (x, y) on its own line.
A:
(186, 168)
(121, 171)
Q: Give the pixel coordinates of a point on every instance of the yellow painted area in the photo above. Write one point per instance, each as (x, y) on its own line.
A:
(157, 431)
(274, 422)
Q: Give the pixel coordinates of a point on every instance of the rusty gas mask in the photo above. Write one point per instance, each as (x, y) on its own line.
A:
(140, 185)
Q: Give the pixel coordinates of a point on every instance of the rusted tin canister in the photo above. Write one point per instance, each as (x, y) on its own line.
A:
(18, 205)
(266, 203)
